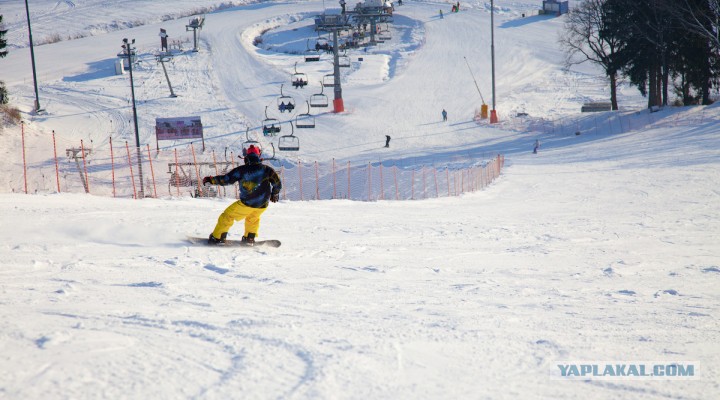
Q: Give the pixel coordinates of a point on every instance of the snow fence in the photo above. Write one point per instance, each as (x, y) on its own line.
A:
(118, 168)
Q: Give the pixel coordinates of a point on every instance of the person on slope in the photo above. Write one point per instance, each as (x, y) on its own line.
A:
(259, 184)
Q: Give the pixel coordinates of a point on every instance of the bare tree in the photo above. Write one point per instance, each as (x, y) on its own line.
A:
(701, 17)
(589, 36)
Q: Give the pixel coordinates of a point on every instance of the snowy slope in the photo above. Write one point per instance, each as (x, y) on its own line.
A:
(601, 247)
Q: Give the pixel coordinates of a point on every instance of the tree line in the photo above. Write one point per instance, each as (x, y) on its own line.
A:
(662, 47)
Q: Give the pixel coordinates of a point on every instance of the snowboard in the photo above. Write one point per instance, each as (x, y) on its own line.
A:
(234, 243)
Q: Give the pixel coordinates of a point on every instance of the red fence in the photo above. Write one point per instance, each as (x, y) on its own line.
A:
(113, 170)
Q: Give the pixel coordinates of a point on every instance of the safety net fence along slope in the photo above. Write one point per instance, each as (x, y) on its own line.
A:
(113, 170)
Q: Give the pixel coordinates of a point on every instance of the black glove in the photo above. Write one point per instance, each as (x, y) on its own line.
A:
(207, 179)
(274, 197)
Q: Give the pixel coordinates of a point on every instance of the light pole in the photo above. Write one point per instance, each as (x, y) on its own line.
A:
(32, 59)
(129, 50)
(493, 113)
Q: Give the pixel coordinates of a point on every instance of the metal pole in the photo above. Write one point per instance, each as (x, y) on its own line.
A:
(473, 77)
(338, 105)
(32, 59)
(162, 60)
(493, 114)
(128, 50)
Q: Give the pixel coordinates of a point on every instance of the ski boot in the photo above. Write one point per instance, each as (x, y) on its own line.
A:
(249, 240)
(214, 241)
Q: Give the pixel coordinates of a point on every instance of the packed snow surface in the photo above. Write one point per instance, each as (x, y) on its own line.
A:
(602, 247)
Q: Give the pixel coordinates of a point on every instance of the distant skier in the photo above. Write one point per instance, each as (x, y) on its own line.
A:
(536, 146)
(342, 5)
(441, 14)
(387, 140)
(444, 115)
(259, 184)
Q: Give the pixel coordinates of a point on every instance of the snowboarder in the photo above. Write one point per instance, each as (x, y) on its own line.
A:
(259, 185)
(444, 115)
(536, 146)
(387, 140)
(441, 14)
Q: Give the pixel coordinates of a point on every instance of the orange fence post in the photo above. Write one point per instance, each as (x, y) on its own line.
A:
(22, 129)
(216, 171)
(132, 177)
(152, 171)
(112, 166)
(57, 168)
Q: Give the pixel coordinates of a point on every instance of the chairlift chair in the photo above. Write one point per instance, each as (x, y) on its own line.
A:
(271, 126)
(384, 34)
(249, 142)
(344, 61)
(311, 55)
(284, 102)
(319, 99)
(323, 44)
(299, 79)
(329, 80)
(289, 142)
(305, 120)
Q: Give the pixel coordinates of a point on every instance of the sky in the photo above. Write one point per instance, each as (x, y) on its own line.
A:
(601, 249)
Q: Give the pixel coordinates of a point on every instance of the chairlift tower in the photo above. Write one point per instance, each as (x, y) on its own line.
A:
(338, 105)
(195, 25)
(129, 51)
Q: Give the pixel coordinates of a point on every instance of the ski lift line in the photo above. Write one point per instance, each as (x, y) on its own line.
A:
(473, 77)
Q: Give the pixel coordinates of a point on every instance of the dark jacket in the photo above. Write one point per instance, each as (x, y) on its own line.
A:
(257, 183)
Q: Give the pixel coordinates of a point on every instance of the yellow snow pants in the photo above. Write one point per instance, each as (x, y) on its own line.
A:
(238, 211)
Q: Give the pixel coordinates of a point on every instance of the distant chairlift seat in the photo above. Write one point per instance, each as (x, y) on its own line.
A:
(305, 120)
(271, 126)
(319, 99)
(285, 103)
(289, 142)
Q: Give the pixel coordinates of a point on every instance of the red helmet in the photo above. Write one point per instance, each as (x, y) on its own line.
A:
(253, 150)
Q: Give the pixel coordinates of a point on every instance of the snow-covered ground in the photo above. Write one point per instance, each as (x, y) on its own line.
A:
(603, 247)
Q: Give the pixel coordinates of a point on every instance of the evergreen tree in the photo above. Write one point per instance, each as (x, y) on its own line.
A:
(3, 53)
